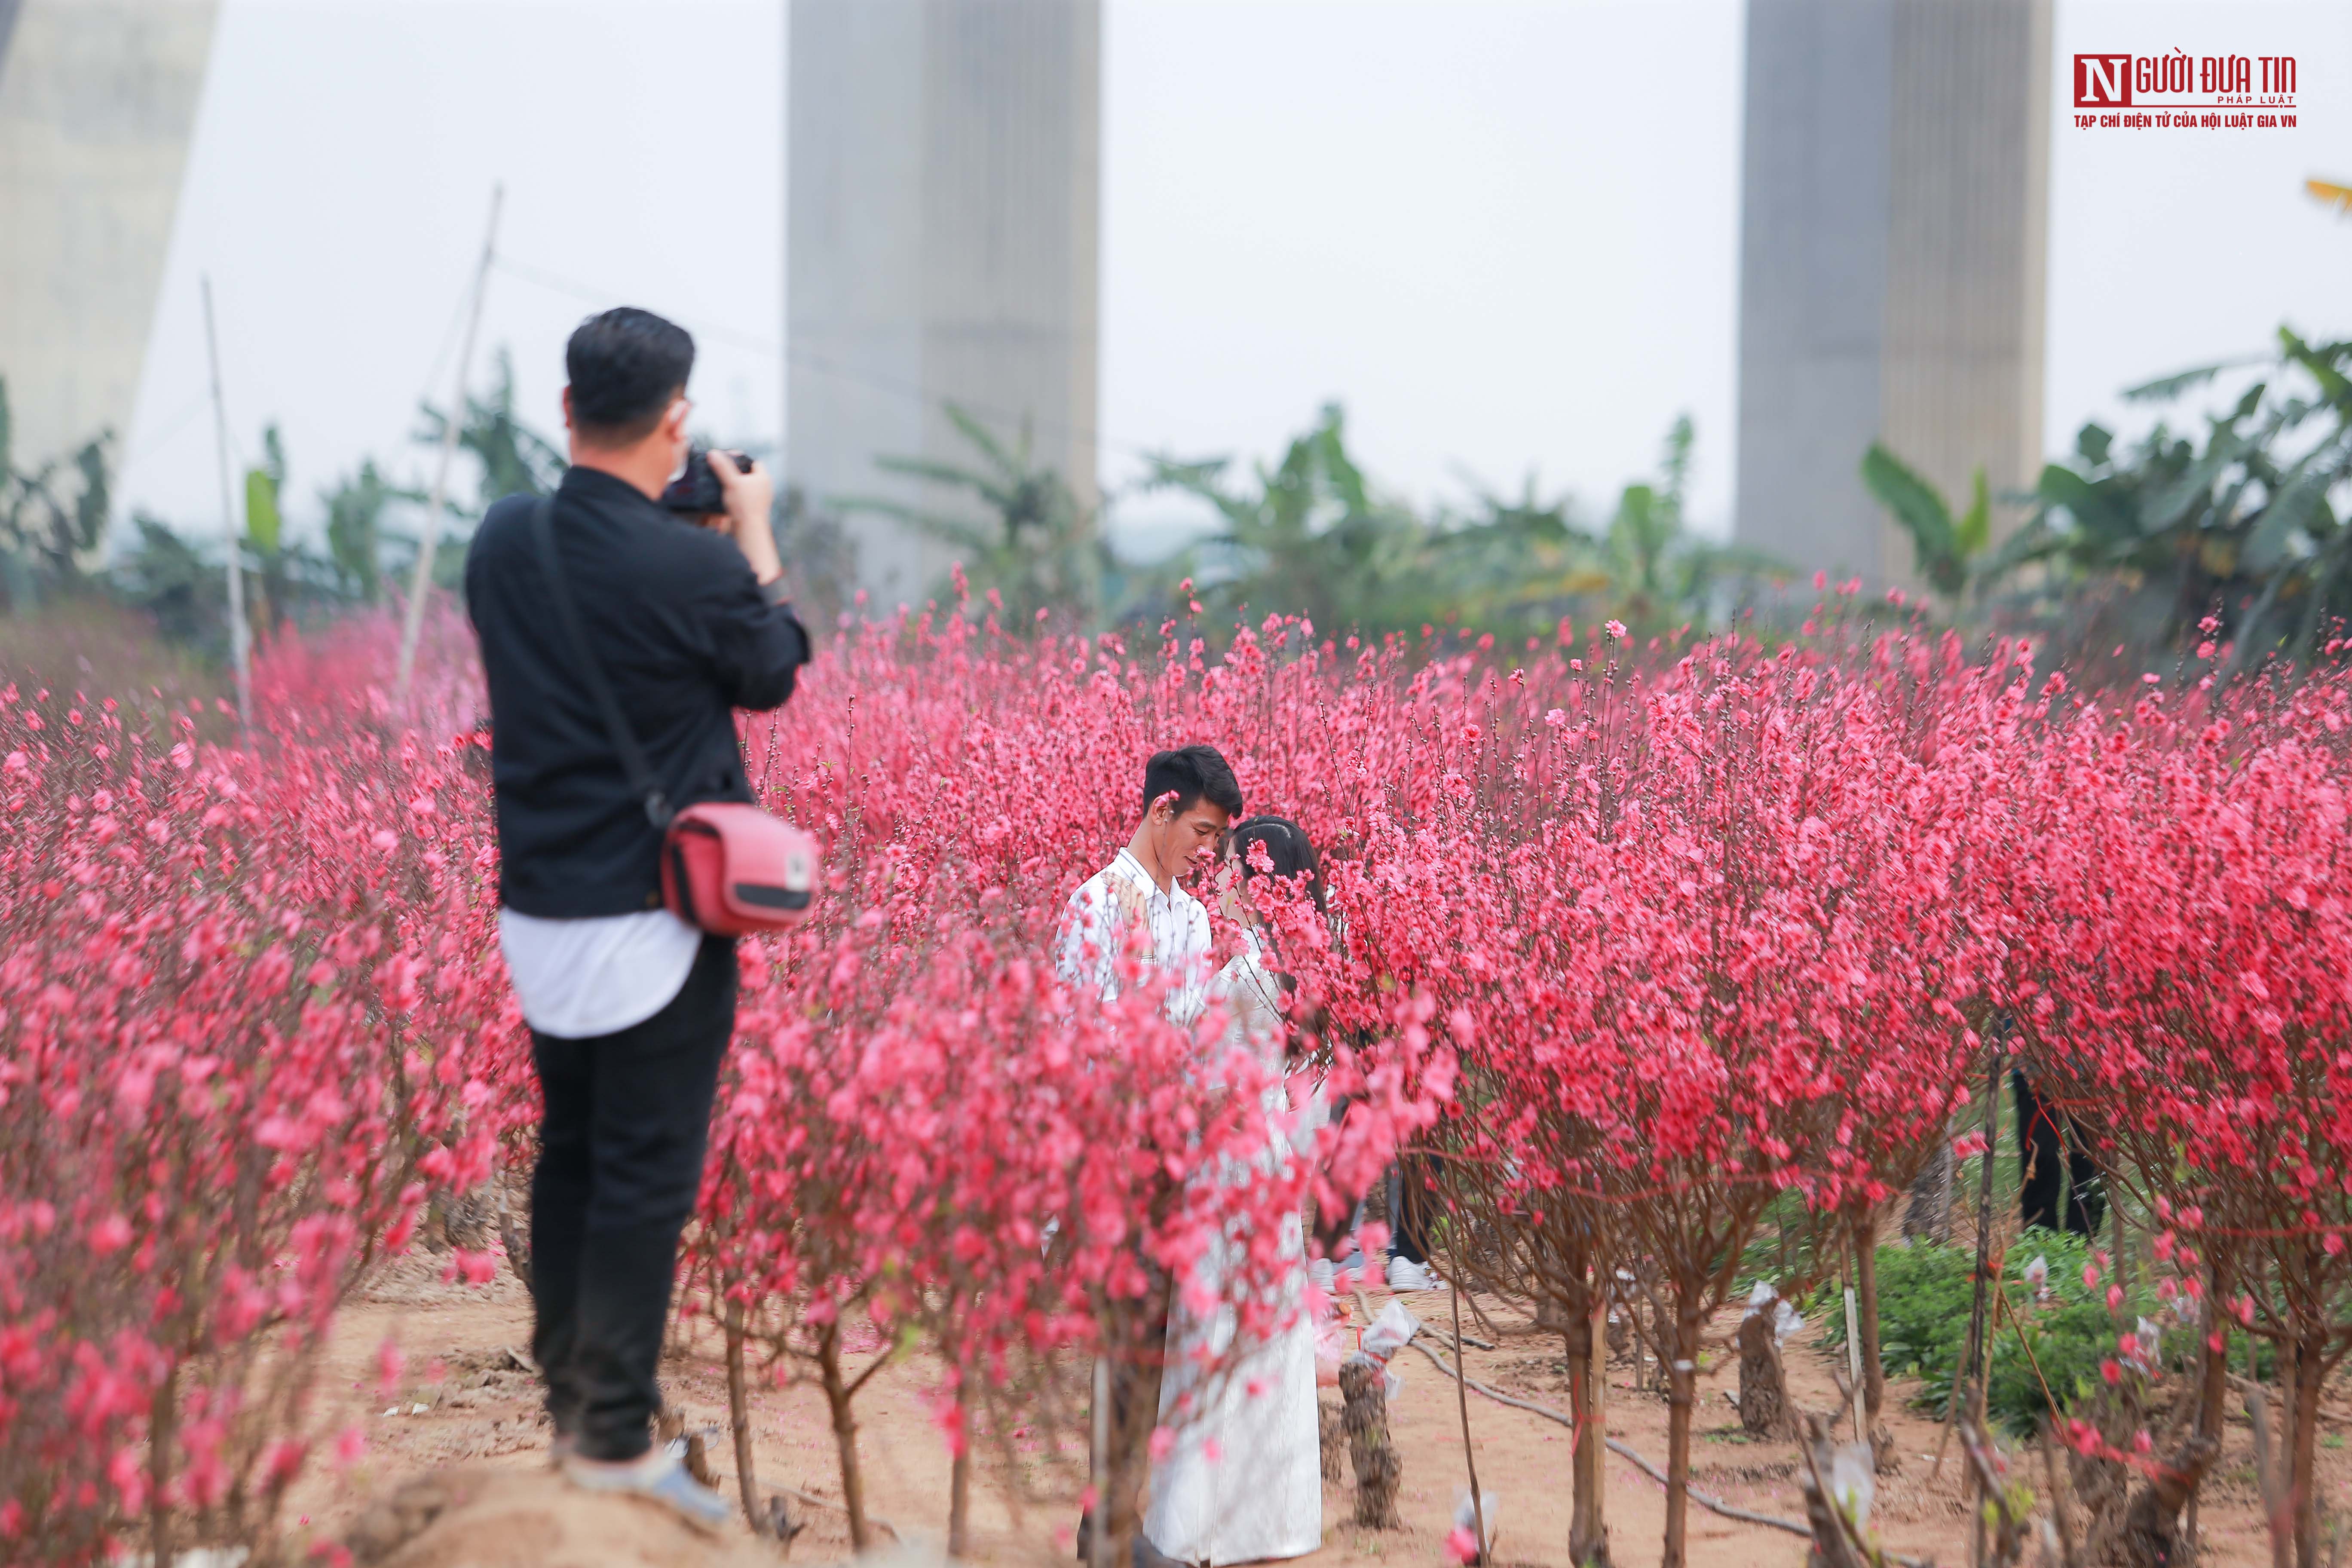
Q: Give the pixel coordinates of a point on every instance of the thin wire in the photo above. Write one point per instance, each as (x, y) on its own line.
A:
(721, 333)
(155, 442)
(448, 342)
(593, 295)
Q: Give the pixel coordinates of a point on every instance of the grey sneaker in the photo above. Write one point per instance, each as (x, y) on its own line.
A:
(657, 1476)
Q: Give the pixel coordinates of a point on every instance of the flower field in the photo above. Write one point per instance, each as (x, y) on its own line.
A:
(1639, 951)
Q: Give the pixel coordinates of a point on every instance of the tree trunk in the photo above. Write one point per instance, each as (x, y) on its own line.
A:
(514, 1234)
(1763, 1394)
(844, 1434)
(1364, 1389)
(960, 1478)
(2212, 1390)
(1927, 1216)
(160, 1434)
(1139, 1335)
(2109, 1190)
(738, 1419)
(1596, 1417)
(1873, 1370)
(2290, 1361)
(2151, 1533)
(1682, 1397)
(1588, 1538)
(1461, 1404)
(2303, 1478)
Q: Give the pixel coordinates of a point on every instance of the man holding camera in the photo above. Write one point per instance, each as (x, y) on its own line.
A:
(684, 608)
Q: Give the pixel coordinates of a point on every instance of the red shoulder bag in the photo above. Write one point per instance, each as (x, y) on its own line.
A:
(727, 865)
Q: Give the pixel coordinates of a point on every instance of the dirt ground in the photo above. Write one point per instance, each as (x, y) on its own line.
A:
(467, 1417)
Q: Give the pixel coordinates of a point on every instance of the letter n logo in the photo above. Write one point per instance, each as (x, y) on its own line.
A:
(2103, 81)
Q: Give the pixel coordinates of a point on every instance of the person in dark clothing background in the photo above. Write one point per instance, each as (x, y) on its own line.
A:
(630, 1008)
(2050, 1151)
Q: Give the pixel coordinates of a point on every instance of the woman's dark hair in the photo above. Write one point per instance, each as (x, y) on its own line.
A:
(626, 366)
(1287, 849)
(1289, 853)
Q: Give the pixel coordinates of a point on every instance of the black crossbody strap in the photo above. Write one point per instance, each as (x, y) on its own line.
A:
(658, 810)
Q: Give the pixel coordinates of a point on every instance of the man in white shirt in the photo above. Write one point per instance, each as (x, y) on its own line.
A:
(1136, 913)
(1135, 907)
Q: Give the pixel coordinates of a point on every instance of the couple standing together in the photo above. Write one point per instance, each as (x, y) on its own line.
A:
(1242, 1480)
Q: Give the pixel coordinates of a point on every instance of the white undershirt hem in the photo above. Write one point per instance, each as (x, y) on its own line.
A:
(579, 978)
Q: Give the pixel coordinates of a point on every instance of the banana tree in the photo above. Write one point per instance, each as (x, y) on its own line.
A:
(515, 460)
(1944, 548)
(1515, 565)
(2245, 526)
(1310, 537)
(355, 534)
(265, 536)
(1661, 575)
(46, 538)
(1038, 552)
(1315, 536)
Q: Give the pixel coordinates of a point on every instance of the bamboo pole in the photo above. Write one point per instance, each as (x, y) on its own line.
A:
(240, 635)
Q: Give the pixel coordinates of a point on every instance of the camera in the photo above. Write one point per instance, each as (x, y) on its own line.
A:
(696, 492)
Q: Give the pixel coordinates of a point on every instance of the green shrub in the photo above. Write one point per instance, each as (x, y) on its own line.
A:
(1924, 1297)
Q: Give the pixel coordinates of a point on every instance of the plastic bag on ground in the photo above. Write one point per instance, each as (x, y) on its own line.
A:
(1787, 1321)
(1333, 1344)
(1853, 1479)
(1463, 1544)
(1390, 1331)
(1467, 1520)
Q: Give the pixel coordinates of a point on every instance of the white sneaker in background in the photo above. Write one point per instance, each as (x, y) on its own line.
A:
(1325, 1277)
(1406, 1275)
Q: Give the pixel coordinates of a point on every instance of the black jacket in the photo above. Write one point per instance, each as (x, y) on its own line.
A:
(686, 636)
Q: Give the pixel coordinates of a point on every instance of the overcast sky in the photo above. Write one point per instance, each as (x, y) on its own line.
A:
(1505, 235)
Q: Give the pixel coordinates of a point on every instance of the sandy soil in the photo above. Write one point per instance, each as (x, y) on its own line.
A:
(492, 1503)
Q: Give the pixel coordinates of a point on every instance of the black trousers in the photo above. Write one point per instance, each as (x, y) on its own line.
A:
(2050, 1151)
(1408, 1201)
(620, 1162)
